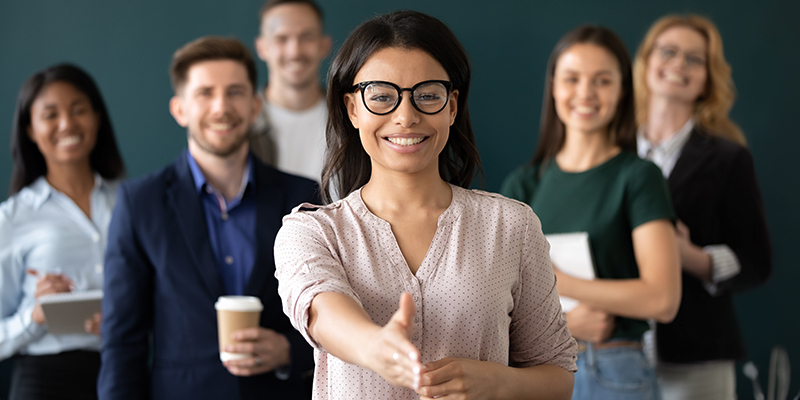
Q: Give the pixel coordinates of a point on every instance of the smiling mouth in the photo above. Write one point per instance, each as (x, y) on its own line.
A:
(221, 126)
(68, 141)
(406, 141)
(584, 109)
(674, 78)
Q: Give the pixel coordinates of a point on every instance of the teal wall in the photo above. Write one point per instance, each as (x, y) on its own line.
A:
(127, 46)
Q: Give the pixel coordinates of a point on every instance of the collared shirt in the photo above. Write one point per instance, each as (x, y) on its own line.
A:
(231, 227)
(724, 263)
(665, 153)
(485, 290)
(42, 229)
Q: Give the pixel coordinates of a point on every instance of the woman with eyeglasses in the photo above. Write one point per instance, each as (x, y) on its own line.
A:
(478, 314)
(684, 92)
(586, 177)
(53, 229)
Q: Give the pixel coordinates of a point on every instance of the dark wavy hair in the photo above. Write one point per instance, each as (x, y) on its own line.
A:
(347, 165)
(622, 129)
(29, 164)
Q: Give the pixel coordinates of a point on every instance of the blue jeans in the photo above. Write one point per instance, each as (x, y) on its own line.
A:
(618, 373)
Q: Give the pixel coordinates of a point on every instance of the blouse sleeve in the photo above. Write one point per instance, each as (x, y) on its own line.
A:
(306, 265)
(17, 289)
(648, 195)
(744, 226)
(539, 333)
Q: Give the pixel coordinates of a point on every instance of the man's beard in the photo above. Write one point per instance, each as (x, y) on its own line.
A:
(219, 152)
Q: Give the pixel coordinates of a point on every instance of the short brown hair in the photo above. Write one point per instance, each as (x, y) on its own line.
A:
(209, 48)
(270, 4)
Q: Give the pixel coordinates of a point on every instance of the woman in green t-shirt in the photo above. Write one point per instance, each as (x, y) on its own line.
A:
(586, 177)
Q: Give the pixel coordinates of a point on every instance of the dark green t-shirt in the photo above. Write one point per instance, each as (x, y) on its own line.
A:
(608, 202)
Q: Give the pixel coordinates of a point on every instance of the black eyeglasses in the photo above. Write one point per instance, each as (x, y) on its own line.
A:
(381, 98)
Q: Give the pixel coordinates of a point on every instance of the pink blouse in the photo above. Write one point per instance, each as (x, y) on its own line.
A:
(485, 290)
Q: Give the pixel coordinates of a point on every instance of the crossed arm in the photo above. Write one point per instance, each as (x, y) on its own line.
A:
(655, 294)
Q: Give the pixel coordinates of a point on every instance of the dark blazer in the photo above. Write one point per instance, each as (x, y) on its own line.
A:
(715, 193)
(161, 282)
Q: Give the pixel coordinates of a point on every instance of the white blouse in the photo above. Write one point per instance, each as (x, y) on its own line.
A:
(44, 230)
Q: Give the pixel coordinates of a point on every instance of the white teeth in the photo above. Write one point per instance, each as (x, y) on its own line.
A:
(69, 140)
(584, 109)
(672, 77)
(220, 127)
(406, 141)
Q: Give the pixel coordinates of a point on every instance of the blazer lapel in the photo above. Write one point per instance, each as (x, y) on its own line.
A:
(692, 157)
(269, 206)
(182, 197)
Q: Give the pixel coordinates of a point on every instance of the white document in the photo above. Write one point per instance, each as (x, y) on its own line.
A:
(571, 254)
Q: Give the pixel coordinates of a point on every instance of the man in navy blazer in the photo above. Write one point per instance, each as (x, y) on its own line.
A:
(198, 229)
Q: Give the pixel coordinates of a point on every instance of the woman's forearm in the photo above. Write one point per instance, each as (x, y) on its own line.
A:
(467, 378)
(540, 382)
(342, 327)
(654, 294)
(631, 298)
(339, 324)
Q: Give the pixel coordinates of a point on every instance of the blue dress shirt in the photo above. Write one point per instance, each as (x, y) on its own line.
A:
(44, 230)
(231, 227)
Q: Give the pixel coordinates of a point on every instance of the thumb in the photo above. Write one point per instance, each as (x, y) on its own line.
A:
(405, 313)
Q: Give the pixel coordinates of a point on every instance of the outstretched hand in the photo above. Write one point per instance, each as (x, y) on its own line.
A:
(391, 353)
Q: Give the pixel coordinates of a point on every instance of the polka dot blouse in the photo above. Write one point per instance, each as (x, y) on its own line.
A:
(485, 290)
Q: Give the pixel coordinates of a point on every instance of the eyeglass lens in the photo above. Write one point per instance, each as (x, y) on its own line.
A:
(382, 98)
(692, 60)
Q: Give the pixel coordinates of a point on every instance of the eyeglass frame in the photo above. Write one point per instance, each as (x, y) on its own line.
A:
(362, 85)
(678, 51)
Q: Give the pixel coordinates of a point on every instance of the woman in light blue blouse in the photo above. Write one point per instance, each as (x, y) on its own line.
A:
(53, 229)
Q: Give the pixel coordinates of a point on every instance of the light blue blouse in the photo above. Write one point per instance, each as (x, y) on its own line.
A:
(44, 230)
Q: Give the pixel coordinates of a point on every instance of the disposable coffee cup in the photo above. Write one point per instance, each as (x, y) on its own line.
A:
(235, 313)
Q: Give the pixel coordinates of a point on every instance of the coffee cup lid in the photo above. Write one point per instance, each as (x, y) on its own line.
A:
(239, 303)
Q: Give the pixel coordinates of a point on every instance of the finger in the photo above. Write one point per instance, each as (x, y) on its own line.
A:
(240, 371)
(250, 334)
(249, 362)
(442, 391)
(45, 287)
(437, 373)
(243, 347)
(405, 313)
(403, 370)
(398, 342)
(434, 365)
(49, 285)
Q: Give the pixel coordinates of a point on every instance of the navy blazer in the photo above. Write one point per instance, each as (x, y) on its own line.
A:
(715, 193)
(159, 325)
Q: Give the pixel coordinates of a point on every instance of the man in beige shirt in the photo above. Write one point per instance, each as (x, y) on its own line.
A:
(289, 132)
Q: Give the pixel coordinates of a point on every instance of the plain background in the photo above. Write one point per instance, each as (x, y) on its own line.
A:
(126, 46)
